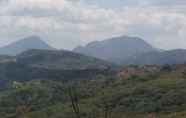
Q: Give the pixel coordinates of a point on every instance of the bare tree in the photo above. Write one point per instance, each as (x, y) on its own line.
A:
(74, 101)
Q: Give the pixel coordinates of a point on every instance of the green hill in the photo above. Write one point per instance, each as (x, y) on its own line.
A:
(66, 60)
(50, 65)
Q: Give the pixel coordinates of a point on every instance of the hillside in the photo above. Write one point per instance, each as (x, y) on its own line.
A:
(37, 64)
(13, 71)
(32, 42)
(65, 60)
(116, 49)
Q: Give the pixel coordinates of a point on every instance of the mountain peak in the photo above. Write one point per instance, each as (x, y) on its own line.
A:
(27, 43)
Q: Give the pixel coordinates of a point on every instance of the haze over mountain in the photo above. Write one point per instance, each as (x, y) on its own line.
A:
(116, 49)
(132, 50)
(122, 50)
(32, 42)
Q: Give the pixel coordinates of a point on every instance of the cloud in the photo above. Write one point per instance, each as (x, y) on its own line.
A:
(166, 2)
(123, 3)
(68, 23)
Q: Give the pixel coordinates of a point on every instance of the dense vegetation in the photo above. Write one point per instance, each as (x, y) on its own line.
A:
(146, 92)
(21, 72)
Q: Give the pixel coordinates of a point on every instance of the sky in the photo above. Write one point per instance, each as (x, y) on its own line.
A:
(66, 24)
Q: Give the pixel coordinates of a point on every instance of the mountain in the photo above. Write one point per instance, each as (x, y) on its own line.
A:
(132, 50)
(60, 59)
(116, 49)
(177, 56)
(32, 42)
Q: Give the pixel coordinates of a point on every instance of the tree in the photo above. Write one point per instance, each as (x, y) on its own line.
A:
(74, 101)
(25, 98)
(106, 103)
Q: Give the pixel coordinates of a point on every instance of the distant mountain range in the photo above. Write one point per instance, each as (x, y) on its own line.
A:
(116, 49)
(122, 50)
(177, 56)
(32, 42)
(131, 50)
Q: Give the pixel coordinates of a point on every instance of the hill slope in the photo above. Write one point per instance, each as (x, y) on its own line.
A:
(116, 49)
(65, 60)
(50, 64)
(32, 42)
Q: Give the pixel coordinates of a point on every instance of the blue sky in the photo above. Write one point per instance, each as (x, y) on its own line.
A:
(69, 23)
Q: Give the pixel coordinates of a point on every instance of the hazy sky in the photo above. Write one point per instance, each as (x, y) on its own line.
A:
(68, 23)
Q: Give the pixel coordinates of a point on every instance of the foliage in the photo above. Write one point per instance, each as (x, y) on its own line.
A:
(104, 96)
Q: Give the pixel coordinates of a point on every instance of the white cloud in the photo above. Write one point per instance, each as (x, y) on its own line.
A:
(68, 23)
